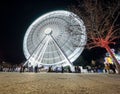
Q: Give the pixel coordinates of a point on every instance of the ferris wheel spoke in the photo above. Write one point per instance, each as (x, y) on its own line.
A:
(42, 51)
(62, 52)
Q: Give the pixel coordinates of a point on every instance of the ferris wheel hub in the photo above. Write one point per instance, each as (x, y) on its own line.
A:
(48, 31)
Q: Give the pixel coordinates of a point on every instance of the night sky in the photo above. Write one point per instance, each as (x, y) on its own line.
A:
(16, 16)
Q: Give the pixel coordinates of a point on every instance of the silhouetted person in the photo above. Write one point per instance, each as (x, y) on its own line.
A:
(36, 69)
(78, 69)
(112, 67)
(62, 69)
(75, 69)
(21, 68)
(69, 69)
(50, 69)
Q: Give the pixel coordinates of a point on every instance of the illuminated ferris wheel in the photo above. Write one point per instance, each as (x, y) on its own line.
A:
(56, 38)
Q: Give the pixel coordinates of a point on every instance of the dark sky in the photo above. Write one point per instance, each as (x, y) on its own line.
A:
(15, 17)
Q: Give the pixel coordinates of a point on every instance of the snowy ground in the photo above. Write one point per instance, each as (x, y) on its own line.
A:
(58, 83)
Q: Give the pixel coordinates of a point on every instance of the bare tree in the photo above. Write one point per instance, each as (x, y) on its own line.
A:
(100, 18)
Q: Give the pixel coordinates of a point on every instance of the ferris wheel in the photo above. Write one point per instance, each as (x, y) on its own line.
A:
(56, 38)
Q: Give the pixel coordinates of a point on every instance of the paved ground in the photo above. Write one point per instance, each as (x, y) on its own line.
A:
(57, 83)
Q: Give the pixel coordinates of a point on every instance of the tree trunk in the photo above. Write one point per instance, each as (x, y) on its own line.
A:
(114, 59)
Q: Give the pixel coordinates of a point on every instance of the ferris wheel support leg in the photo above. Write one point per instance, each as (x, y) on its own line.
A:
(25, 63)
(72, 68)
(36, 49)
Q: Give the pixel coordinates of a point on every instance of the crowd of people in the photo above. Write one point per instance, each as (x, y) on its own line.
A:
(15, 68)
(107, 68)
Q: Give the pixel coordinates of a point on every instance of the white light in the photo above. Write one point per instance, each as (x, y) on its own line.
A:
(53, 24)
